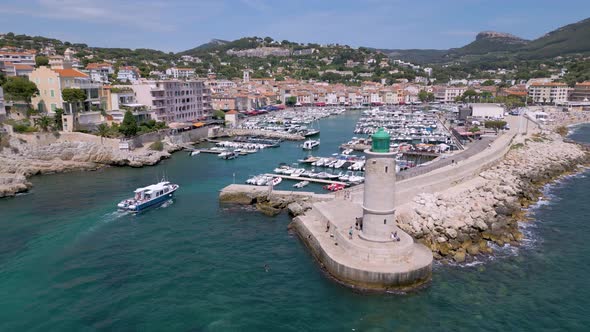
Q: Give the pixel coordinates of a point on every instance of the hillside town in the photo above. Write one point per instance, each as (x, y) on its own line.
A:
(179, 95)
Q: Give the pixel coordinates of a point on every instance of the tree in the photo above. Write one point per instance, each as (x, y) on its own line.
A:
(41, 61)
(57, 120)
(291, 101)
(20, 89)
(495, 124)
(423, 95)
(219, 114)
(73, 96)
(103, 131)
(44, 122)
(469, 95)
(488, 83)
(129, 125)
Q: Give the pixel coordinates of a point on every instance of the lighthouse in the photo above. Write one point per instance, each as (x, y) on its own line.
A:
(378, 223)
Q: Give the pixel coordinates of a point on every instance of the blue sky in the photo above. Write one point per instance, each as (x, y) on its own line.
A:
(175, 25)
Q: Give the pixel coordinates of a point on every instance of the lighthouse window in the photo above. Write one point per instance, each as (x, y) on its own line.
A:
(386, 169)
(384, 221)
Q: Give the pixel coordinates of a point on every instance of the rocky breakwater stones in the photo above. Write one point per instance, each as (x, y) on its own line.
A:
(461, 221)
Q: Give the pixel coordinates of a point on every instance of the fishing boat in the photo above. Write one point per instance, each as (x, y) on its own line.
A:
(149, 196)
(310, 144)
(301, 184)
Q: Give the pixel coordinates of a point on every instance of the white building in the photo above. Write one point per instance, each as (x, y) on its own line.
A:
(21, 57)
(128, 74)
(447, 94)
(174, 100)
(428, 71)
(551, 93)
(177, 72)
(484, 110)
(99, 72)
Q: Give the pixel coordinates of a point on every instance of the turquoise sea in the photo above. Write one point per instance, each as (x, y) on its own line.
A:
(70, 262)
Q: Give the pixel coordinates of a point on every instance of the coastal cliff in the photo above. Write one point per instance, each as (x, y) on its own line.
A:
(20, 159)
(463, 220)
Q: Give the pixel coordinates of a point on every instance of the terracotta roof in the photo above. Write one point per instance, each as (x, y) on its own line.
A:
(232, 112)
(98, 65)
(23, 67)
(548, 84)
(69, 73)
(587, 83)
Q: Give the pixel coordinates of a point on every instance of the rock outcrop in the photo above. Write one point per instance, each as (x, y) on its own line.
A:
(460, 221)
(20, 160)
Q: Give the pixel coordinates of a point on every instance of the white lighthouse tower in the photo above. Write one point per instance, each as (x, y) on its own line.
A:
(379, 196)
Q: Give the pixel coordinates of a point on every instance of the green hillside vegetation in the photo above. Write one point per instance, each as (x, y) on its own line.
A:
(572, 38)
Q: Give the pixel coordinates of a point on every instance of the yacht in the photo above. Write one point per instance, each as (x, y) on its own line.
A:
(151, 195)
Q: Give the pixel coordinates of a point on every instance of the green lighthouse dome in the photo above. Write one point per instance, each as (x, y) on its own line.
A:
(381, 141)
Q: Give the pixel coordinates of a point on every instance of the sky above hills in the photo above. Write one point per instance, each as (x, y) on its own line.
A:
(176, 25)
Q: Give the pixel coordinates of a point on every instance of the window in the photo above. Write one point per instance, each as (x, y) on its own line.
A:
(384, 221)
(53, 107)
(50, 80)
(386, 169)
(52, 92)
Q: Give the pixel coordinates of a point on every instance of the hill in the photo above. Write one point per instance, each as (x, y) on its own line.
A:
(568, 40)
(489, 42)
(572, 38)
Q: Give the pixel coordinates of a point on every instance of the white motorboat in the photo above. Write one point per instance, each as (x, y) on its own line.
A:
(195, 152)
(301, 184)
(310, 144)
(276, 181)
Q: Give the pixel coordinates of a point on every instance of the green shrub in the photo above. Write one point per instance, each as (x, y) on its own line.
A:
(157, 146)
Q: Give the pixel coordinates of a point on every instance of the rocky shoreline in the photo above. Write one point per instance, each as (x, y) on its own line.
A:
(20, 160)
(461, 222)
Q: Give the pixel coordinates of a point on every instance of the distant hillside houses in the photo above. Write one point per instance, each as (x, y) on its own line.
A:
(262, 52)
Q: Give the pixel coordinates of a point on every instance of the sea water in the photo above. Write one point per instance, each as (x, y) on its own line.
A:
(70, 262)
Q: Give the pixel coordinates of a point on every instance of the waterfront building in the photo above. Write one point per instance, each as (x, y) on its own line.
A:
(99, 72)
(178, 72)
(486, 110)
(551, 92)
(580, 92)
(51, 82)
(447, 94)
(174, 100)
(128, 74)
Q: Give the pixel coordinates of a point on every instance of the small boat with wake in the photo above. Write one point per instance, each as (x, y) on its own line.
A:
(149, 196)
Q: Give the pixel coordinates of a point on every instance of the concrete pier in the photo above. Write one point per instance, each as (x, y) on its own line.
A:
(396, 266)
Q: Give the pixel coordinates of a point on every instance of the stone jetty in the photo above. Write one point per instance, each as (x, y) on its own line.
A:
(461, 221)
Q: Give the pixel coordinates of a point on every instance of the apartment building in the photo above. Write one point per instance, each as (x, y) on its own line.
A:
(447, 94)
(26, 57)
(177, 72)
(174, 100)
(550, 92)
(128, 74)
(580, 92)
(51, 82)
(16, 69)
(99, 72)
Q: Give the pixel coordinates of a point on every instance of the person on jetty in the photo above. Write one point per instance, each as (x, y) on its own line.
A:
(350, 233)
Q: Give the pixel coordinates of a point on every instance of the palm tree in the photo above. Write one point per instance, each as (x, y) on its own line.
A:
(44, 122)
(103, 131)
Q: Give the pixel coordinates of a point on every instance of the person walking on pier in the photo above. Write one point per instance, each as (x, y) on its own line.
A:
(350, 233)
